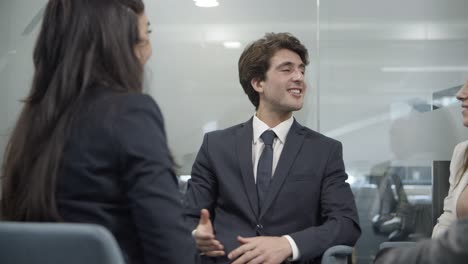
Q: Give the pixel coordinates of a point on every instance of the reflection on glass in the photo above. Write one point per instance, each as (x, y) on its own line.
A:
(384, 74)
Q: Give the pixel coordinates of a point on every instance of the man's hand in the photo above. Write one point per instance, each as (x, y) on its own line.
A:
(205, 238)
(263, 249)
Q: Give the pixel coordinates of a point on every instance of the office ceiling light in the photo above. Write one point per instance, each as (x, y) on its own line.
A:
(232, 44)
(206, 3)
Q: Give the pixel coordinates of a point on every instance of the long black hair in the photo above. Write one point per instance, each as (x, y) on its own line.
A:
(81, 43)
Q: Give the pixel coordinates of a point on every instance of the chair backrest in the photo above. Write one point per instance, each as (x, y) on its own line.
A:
(339, 254)
(57, 243)
(440, 187)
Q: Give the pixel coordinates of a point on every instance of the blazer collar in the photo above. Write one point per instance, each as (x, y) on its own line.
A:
(292, 146)
(244, 139)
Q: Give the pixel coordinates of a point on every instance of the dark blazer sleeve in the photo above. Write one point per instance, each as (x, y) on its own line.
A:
(202, 188)
(150, 183)
(451, 247)
(340, 224)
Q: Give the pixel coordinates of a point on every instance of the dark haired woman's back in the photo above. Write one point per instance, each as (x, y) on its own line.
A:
(117, 171)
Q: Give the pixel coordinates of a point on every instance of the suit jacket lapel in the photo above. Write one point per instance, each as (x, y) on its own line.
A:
(244, 139)
(290, 150)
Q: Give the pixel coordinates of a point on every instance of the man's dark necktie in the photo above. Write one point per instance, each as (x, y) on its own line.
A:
(265, 165)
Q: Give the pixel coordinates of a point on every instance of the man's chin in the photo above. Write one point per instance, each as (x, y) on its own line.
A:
(290, 108)
(296, 107)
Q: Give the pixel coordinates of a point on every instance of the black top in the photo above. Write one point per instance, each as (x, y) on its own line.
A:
(117, 172)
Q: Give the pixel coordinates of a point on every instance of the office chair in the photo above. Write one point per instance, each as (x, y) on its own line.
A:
(440, 188)
(57, 243)
(339, 254)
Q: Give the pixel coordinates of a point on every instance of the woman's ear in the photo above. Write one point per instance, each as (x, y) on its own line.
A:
(138, 53)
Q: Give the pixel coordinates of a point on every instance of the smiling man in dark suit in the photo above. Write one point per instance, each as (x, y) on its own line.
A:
(271, 189)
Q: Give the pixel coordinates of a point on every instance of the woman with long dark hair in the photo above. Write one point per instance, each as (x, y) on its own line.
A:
(456, 202)
(88, 145)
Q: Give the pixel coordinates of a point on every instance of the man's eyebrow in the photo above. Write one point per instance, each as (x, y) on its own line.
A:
(286, 63)
(289, 63)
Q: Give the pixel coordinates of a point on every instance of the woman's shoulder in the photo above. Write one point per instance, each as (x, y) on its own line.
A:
(458, 159)
(127, 98)
(460, 148)
(107, 108)
(114, 102)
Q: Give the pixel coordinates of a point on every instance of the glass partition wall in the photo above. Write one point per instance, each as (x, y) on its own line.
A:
(382, 80)
(193, 72)
(383, 66)
(18, 30)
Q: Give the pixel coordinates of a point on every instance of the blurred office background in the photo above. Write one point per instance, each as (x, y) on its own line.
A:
(382, 80)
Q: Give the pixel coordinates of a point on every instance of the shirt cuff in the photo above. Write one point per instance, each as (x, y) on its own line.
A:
(295, 249)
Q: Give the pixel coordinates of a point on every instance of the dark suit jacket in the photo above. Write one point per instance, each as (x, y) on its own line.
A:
(451, 247)
(117, 172)
(308, 198)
